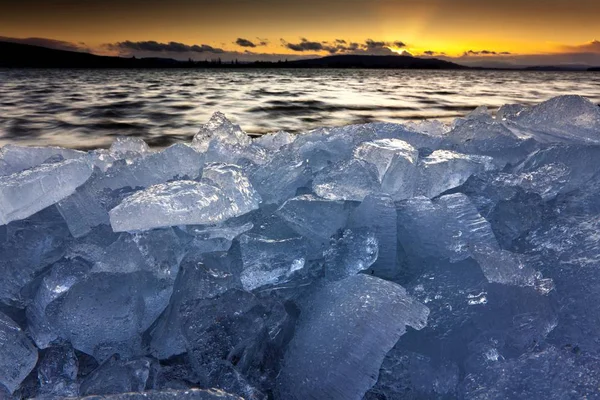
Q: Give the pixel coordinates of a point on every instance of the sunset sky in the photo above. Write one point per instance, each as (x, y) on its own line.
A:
(523, 32)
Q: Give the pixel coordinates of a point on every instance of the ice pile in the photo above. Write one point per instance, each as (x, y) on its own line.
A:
(375, 262)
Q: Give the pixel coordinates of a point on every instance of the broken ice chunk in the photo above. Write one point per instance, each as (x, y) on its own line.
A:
(188, 394)
(129, 147)
(280, 178)
(25, 193)
(235, 185)
(57, 372)
(15, 159)
(202, 276)
(354, 251)
(572, 119)
(378, 214)
(443, 170)
(18, 355)
(171, 204)
(349, 180)
(220, 129)
(572, 377)
(124, 305)
(269, 262)
(342, 337)
(62, 276)
(117, 376)
(405, 372)
(396, 164)
(27, 247)
(314, 218)
(275, 141)
(460, 232)
(235, 328)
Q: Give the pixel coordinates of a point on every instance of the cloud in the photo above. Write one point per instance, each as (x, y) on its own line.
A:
(303, 45)
(157, 47)
(248, 43)
(49, 43)
(244, 43)
(433, 53)
(469, 53)
(341, 46)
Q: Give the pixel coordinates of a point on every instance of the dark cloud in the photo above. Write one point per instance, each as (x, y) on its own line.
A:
(157, 47)
(244, 43)
(484, 53)
(248, 43)
(433, 53)
(304, 45)
(341, 46)
(49, 43)
(371, 44)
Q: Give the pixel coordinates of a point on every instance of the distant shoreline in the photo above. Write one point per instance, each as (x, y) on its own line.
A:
(16, 55)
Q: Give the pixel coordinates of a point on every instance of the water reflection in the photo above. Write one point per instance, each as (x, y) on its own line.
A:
(87, 108)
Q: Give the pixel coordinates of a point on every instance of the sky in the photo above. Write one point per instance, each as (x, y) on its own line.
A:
(470, 32)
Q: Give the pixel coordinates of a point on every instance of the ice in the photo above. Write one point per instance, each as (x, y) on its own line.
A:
(396, 164)
(117, 376)
(342, 337)
(411, 375)
(15, 159)
(571, 119)
(269, 262)
(314, 218)
(352, 180)
(378, 214)
(24, 193)
(202, 276)
(57, 372)
(354, 251)
(124, 305)
(54, 285)
(450, 227)
(28, 247)
(171, 204)
(236, 330)
(219, 129)
(18, 355)
(376, 261)
(542, 374)
(191, 394)
(292, 174)
(443, 170)
(275, 141)
(129, 147)
(234, 184)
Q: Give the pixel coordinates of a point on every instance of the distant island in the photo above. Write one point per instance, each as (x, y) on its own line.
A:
(18, 55)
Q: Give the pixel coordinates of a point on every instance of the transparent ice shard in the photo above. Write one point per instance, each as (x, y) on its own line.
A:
(18, 355)
(171, 204)
(24, 193)
(342, 337)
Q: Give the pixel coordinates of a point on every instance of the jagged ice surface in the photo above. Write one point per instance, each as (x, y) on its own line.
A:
(377, 261)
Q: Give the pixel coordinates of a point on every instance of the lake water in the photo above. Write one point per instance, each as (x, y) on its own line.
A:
(88, 108)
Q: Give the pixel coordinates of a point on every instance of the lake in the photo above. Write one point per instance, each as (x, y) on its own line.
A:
(88, 108)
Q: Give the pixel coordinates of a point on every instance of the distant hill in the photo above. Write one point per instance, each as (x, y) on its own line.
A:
(367, 61)
(594, 69)
(19, 55)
